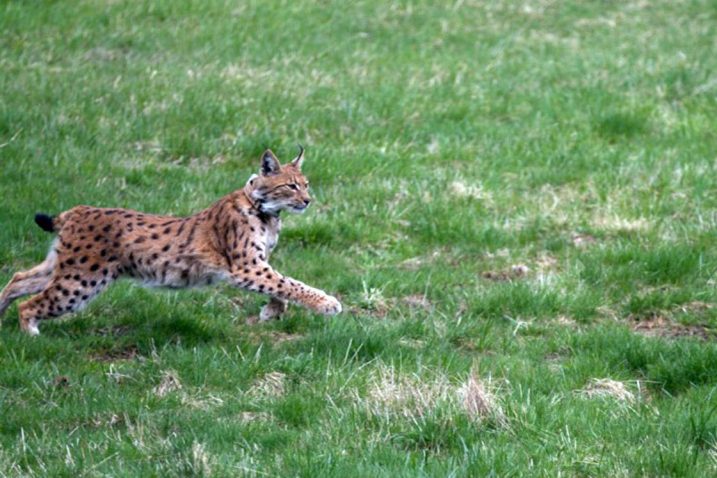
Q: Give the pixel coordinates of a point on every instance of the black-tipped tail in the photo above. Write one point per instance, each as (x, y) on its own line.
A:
(45, 222)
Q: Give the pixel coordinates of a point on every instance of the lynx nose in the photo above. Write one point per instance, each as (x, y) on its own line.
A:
(306, 202)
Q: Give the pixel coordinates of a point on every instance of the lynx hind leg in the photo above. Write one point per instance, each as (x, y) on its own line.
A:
(28, 282)
(272, 310)
(63, 295)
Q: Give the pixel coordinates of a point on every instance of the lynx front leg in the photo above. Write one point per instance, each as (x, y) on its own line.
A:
(265, 280)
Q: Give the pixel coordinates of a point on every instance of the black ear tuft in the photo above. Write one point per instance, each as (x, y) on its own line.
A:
(299, 160)
(269, 164)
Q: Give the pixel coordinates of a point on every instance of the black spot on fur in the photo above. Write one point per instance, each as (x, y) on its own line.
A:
(94, 267)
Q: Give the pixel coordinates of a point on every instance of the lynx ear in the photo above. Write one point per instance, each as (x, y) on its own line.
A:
(298, 161)
(269, 164)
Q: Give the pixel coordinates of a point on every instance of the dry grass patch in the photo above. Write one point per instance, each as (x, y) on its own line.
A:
(463, 189)
(417, 301)
(479, 401)
(392, 394)
(249, 417)
(607, 388)
(615, 223)
(168, 384)
(415, 263)
(271, 385)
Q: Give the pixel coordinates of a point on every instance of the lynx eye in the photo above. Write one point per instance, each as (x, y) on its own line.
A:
(294, 187)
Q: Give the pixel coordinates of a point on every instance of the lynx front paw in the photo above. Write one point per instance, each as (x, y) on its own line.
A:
(272, 310)
(329, 306)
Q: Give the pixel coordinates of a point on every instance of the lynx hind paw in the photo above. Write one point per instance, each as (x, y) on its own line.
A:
(330, 306)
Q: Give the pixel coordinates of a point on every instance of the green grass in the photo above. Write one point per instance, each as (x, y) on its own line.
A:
(444, 141)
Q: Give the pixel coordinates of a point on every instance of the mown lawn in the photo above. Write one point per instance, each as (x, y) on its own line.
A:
(515, 202)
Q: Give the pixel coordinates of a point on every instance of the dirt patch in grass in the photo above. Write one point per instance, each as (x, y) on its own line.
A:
(61, 381)
(657, 325)
(114, 331)
(273, 336)
(376, 311)
(417, 301)
(695, 307)
(517, 271)
(582, 240)
(130, 352)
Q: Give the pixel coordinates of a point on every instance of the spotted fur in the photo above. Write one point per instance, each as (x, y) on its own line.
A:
(229, 241)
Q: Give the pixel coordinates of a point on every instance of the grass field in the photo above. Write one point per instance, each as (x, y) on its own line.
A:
(515, 202)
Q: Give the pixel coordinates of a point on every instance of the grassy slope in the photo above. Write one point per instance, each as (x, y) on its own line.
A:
(443, 141)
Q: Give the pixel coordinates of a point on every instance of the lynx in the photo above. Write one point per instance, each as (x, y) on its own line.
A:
(229, 241)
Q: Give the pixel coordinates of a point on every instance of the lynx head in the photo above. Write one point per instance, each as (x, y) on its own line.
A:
(280, 188)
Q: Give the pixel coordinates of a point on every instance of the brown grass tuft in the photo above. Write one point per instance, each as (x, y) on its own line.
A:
(270, 385)
(169, 383)
(479, 402)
